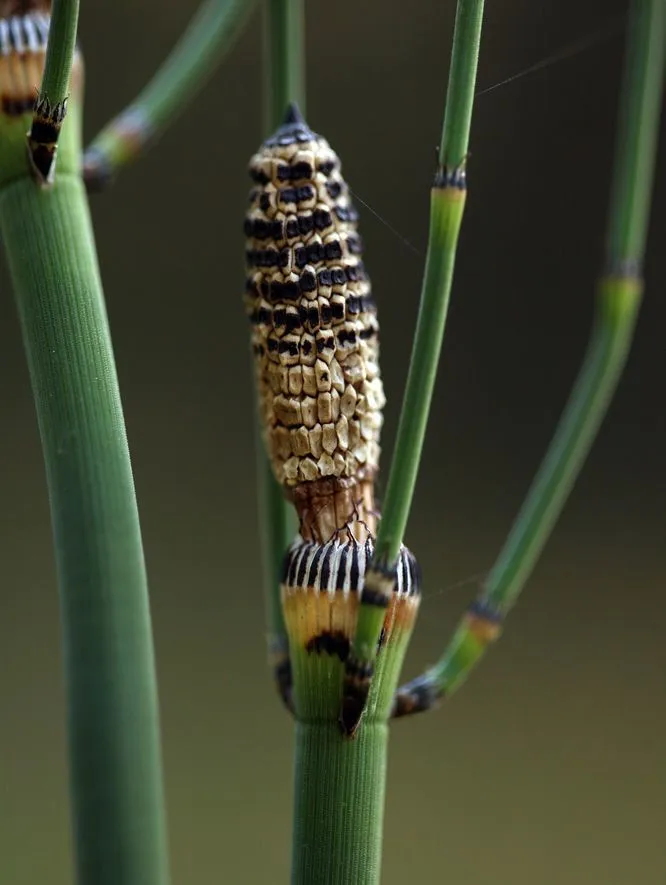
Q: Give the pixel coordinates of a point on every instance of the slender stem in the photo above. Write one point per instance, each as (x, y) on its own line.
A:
(446, 213)
(51, 105)
(60, 50)
(638, 134)
(618, 301)
(616, 315)
(211, 33)
(462, 84)
(445, 220)
(285, 53)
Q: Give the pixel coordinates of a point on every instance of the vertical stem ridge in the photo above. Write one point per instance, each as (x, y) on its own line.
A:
(338, 848)
(285, 59)
(115, 760)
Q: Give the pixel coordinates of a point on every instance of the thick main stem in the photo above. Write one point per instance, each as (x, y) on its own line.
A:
(116, 787)
(331, 774)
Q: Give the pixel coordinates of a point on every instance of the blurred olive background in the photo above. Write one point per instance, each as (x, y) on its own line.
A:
(549, 766)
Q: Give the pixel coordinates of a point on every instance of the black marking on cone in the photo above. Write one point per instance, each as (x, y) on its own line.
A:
(330, 643)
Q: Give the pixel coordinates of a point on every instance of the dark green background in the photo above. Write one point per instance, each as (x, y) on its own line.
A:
(549, 766)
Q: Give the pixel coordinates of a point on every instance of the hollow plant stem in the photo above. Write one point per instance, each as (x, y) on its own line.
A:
(617, 303)
(60, 51)
(285, 54)
(446, 212)
(110, 686)
(51, 105)
(343, 846)
(339, 785)
(210, 35)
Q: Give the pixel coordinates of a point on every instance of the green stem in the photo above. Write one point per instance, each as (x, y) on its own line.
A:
(339, 804)
(462, 84)
(638, 134)
(112, 709)
(285, 53)
(60, 51)
(618, 302)
(616, 315)
(211, 33)
(115, 762)
(339, 785)
(446, 214)
(619, 299)
(51, 105)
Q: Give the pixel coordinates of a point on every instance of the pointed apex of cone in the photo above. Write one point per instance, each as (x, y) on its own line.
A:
(294, 130)
(293, 115)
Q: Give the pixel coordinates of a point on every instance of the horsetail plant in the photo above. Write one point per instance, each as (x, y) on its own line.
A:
(342, 605)
(114, 752)
(303, 258)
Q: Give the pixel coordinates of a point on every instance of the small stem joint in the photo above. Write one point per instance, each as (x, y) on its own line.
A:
(480, 627)
(43, 138)
(452, 177)
(355, 691)
(418, 696)
(380, 582)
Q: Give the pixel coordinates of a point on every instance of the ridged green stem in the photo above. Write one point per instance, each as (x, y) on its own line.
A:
(51, 102)
(446, 213)
(461, 88)
(112, 710)
(618, 301)
(285, 59)
(339, 784)
(60, 51)
(211, 33)
(116, 786)
(339, 804)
